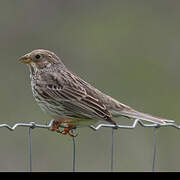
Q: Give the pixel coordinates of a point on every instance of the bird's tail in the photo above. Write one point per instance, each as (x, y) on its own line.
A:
(131, 113)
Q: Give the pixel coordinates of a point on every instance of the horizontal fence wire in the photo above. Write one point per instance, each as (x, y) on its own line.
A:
(136, 122)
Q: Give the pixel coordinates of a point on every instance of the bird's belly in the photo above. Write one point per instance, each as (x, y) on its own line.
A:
(59, 112)
(56, 111)
(49, 106)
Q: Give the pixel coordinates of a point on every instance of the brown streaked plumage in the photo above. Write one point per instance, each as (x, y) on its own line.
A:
(71, 101)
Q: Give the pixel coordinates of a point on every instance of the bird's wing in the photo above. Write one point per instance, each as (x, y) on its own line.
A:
(74, 95)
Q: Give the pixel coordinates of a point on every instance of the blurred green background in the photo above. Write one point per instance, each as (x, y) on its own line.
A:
(128, 49)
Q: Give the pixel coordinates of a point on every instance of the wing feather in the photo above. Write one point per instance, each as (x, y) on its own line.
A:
(78, 97)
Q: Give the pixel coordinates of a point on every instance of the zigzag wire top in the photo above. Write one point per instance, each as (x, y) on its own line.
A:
(32, 125)
(135, 123)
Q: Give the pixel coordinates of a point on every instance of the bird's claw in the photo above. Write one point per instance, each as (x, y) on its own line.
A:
(67, 130)
(70, 132)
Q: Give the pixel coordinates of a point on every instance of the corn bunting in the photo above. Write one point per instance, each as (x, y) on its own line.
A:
(71, 101)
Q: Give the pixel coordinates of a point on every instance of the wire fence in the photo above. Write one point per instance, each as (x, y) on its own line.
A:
(136, 122)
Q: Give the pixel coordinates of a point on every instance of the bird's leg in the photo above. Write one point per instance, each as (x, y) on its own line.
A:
(67, 130)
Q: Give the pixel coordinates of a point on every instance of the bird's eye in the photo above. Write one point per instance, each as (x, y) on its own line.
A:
(37, 56)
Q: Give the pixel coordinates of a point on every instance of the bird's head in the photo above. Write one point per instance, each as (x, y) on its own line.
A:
(40, 58)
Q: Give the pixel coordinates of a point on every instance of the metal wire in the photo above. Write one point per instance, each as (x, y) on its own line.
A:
(112, 150)
(74, 150)
(136, 122)
(30, 149)
(154, 148)
(74, 154)
(31, 124)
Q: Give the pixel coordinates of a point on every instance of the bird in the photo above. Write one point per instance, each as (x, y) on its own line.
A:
(71, 101)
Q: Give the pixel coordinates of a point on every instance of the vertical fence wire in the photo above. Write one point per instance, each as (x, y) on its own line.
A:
(32, 125)
(154, 148)
(112, 150)
(73, 153)
(30, 149)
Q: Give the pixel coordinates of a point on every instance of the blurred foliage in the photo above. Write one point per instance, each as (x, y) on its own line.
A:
(128, 49)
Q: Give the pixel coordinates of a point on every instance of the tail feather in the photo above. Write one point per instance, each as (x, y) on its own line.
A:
(131, 113)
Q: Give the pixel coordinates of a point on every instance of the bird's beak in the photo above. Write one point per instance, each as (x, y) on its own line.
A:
(25, 59)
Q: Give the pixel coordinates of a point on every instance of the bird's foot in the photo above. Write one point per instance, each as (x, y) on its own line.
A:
(69, 130)
(57, 123)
